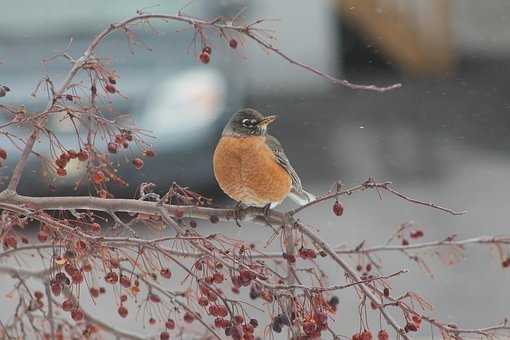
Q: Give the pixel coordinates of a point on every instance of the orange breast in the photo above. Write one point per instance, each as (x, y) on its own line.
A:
(246, 170)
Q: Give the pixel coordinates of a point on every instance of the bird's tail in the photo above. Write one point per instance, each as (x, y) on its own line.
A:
(301, 197)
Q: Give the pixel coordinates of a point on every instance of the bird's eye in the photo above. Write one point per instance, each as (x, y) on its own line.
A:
(249, 123)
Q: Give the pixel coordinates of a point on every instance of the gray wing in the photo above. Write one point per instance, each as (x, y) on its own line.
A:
(282, 159)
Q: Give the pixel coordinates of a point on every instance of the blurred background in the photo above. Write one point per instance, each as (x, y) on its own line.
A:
(444, 136)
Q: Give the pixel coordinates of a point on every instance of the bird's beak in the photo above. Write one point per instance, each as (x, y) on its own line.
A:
(267, 120)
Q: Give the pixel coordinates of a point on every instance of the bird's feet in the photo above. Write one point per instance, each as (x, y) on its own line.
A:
(238, 213)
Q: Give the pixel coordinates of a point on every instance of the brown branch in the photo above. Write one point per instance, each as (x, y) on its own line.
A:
(371, 184)
(367, 291)
(217, 23)
(442, 243)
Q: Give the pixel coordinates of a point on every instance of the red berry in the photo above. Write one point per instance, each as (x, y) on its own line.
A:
(67, 305)
(123, 312)
(72, 154)
(154, 298)
(204, 57)
(113, 147)
(170, 324)
(188, 317)
(61, 172)
(83, 155)
(218, 277)
(42, 236)
(138, 163)
(166, 273)
(232, 43)
(152, 321)
(309, 327)
(203, 301)
(238, 319)
(99, 177)
(366, 335)
(506, 263)
(10, 241)
(410, 327)
(3, 154)
(94, 292)
(164, 336)
(95, 227)
(111, 277)
(338, 208)
(77, 314)
(383, 335)
(416, 234)
(125, 281)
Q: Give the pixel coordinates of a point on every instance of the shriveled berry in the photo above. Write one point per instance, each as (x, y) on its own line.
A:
(110, 88)
(3, 154)
(410, 327)
(164, 335)
(254, 323)
(386, 292)
(338, 208)
(148, 153)
(232, 43)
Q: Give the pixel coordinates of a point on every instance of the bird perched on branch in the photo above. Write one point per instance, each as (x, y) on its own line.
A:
(251, 166)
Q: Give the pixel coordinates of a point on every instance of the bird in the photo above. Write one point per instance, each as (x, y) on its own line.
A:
(250, 165)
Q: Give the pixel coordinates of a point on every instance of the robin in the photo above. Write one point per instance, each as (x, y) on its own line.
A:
(251, 166)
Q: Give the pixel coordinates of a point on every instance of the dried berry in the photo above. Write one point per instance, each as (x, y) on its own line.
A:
(338, 208)
(83, 155)
(232, 43)
(3, 154)
(148, 153)
(110, 88)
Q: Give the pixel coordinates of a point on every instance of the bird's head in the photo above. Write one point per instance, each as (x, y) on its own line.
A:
(248, 122)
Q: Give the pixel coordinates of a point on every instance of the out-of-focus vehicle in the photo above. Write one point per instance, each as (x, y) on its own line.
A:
(180, 101)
